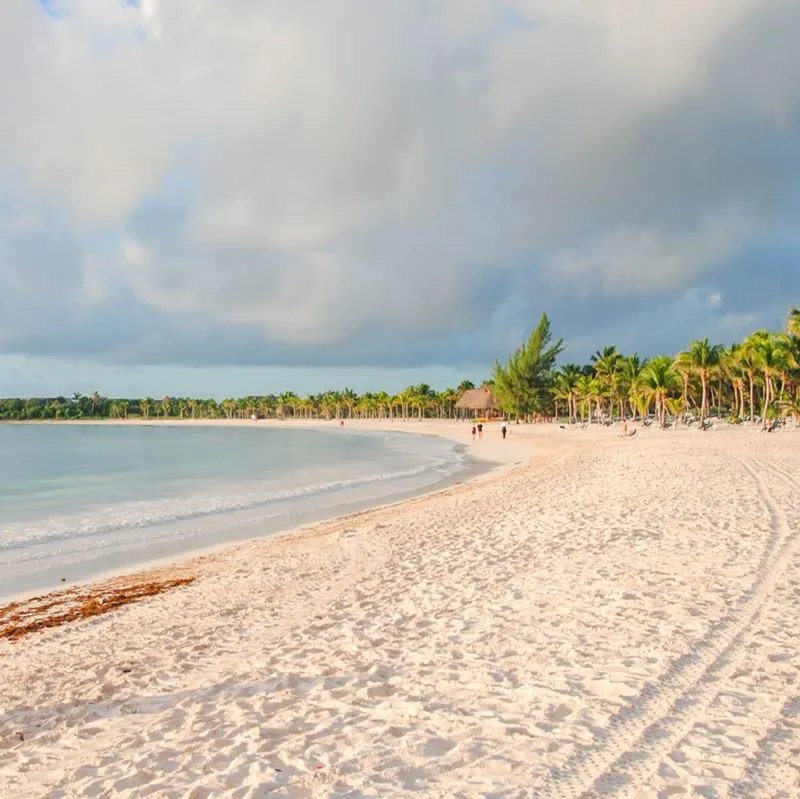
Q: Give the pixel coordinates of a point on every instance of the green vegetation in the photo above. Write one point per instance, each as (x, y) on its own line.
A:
(524, 386)
(757, 378)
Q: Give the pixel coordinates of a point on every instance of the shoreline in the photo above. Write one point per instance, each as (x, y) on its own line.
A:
(479, 467)
(202, 562)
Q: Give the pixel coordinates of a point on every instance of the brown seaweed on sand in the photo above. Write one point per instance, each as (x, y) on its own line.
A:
(18, 619)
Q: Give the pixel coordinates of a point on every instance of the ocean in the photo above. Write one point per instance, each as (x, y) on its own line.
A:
(80, 501)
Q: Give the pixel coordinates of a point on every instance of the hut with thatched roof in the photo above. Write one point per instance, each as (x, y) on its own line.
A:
(479, 400)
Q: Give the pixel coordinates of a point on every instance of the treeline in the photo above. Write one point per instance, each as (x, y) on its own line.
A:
(757, 379)
(419, 401)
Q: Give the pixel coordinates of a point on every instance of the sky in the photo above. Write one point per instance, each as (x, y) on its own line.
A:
(231, 197)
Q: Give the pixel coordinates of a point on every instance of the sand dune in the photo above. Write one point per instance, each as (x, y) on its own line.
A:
(615, 618)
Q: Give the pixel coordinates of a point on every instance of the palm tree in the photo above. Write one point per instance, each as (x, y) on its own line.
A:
(420, 397)
(659, 380)
(793, 357)
(731, 368)
(349, 400)
(464, 385)
(608, 352)
(447, 402)
(791, 407)
(704, 357)
(607, 370)
(119, 410)
(630, 369)
(676, 407)
(584, 391)
(771, 354)
(641, 401)
(287, 402)
(793, 323)
(566, 386)
(230, 406)
(590, 391)
(95, 400)
(683, 366)
(748, 364)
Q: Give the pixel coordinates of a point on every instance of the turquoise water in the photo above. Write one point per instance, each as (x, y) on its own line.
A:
(77, 501)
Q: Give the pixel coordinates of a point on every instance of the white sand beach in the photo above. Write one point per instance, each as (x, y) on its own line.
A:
(617, 617)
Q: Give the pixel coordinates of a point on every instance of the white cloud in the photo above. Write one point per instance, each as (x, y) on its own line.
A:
(324, 170)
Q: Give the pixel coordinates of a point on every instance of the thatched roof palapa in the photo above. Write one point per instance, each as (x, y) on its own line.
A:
(478, 399)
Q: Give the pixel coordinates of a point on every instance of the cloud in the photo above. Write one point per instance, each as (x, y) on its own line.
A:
(649, 261)
(403, 183)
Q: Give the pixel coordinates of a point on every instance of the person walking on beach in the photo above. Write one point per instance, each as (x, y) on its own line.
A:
(480, 430)
(504, 430)
(474, 430)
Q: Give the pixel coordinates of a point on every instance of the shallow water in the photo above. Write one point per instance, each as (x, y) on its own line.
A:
(76, 501)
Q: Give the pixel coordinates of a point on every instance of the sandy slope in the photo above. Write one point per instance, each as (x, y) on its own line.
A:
(617, 618)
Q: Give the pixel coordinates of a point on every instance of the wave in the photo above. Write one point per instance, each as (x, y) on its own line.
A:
(156, 513)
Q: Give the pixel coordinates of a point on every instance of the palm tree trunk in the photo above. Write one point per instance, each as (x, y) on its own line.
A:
(767, 399)
(704, 379)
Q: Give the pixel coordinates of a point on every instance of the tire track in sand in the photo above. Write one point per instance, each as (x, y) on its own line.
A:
(769, 763)
(644, 733)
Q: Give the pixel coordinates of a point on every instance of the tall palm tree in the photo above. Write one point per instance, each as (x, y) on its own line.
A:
(771, 354)
(95, 399)
(447, 402)
(704, 357)
(584, 393)
(607, 370)
(566, 386)
(230, 406)
(591, 392)
(793, 356)
(630, 369)
(421, 396)
(684, 367)
(287, 402)
(402, 400)
(748, 364)
(349, 400)
(730, 373)
(659, 380)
